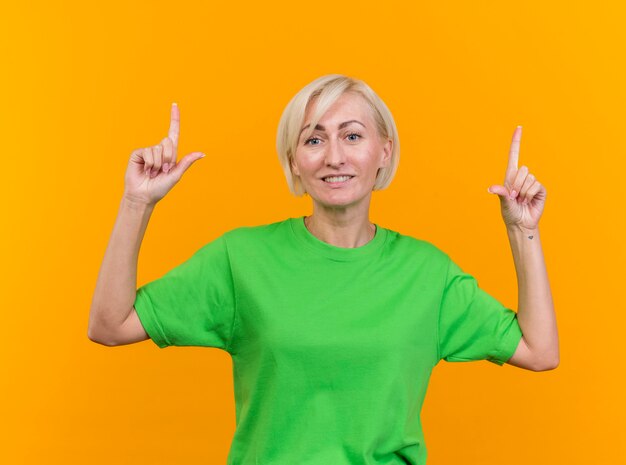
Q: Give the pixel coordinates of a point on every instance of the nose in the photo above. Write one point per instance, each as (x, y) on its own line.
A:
(334, 155)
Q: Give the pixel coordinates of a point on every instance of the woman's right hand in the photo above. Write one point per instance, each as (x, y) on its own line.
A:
(153, 171)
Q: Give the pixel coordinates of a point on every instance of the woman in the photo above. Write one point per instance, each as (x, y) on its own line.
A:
(334, 323)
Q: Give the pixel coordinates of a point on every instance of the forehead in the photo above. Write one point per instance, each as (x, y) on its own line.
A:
(348, 105)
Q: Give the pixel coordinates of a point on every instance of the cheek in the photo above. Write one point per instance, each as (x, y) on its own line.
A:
(368, 157)
(306, 163)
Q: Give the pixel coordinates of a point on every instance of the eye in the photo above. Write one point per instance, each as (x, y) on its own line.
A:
(306, 142)
(354, 137)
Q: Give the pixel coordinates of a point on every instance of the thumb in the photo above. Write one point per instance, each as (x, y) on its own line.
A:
(186, 162)
(499, 190)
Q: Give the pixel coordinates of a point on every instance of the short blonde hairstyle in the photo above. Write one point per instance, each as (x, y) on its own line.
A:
(327, 89)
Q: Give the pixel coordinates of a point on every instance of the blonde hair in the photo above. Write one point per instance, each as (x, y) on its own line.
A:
(327, 89)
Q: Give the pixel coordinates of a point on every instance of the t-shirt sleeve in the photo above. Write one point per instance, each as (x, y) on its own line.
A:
(194, 303)
(473, 325)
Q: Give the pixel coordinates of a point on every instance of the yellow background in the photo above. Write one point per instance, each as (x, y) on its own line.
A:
(84, 84)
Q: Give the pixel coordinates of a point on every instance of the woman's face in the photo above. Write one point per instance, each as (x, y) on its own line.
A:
(345, 142)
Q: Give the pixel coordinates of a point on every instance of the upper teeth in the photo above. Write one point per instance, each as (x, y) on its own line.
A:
(337, 178)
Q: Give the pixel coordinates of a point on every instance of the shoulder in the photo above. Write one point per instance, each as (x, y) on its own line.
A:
(256, 232)
(403, 243)
(251, 242)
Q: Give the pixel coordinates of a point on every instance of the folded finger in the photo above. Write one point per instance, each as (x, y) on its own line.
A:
(168, 153)
(533, 190)
(529, 181)
(148, 160)
(157, 151)
(519, 180)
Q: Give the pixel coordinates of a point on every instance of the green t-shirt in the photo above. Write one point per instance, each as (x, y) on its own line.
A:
(332, 347)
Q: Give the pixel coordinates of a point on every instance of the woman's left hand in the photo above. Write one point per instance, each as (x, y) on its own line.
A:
(522, 197)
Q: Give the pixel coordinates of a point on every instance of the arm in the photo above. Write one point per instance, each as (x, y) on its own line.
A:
(522, 201)
(151, 173)
(114, 295)
(539, 347)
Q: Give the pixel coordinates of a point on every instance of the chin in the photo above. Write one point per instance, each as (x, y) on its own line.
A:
(338, 202)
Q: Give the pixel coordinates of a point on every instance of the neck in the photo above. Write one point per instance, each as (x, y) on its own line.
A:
(348, 231)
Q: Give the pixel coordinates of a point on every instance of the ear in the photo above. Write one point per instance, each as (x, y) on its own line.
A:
(387, 148)
(294, 168)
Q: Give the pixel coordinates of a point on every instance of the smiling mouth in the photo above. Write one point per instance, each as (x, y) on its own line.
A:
(337, 179)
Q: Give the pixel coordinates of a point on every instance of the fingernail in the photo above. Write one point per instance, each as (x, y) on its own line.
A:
(203, 155)
(166, 167)
(174, 103)
(489, 190)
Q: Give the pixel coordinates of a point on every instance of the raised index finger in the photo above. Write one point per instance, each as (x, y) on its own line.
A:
(511, 169)
(174, 125)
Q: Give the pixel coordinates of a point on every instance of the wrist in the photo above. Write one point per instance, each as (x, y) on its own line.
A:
(136, 204)
(521, 230)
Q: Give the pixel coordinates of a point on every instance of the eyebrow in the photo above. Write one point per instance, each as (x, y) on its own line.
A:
(341, 126)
